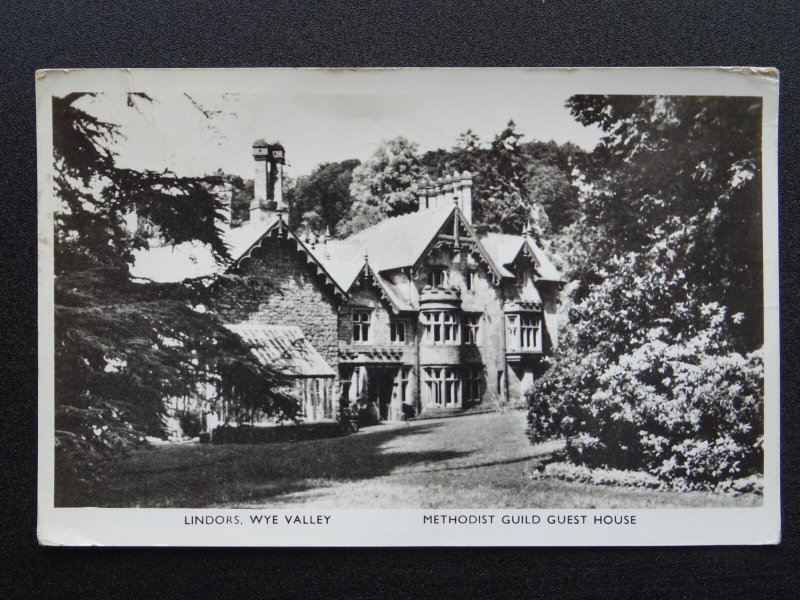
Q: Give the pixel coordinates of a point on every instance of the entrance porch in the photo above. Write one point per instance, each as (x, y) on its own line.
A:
(376, 392)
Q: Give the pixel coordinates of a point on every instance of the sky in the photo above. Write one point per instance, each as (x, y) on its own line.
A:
(197, 134)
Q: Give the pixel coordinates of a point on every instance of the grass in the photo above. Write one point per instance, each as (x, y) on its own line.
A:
(478, 461)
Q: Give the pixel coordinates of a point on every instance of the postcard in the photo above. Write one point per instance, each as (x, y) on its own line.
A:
(408, 307)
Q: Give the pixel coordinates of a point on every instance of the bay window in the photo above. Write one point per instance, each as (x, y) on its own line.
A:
(529, 328)
(441, 327)
(450, 328)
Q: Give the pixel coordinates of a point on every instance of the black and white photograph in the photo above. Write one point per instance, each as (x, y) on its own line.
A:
(408, 307)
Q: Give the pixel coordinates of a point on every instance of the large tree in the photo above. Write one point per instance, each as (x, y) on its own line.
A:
(320, 199)
(690, 163)
(659, 367)
(383, 186)
(515, 182)
(123, 347)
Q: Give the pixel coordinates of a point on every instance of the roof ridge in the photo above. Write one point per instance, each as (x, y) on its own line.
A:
(395, 217)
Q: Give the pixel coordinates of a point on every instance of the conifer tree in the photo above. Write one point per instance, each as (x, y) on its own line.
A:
(124, 347)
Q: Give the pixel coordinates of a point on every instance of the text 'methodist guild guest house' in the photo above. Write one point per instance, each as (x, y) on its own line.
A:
(417, 309)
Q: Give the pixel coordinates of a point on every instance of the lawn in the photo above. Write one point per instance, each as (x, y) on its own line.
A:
(478, 461)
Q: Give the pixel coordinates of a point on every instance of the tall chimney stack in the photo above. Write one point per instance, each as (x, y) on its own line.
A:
(465, 187)
(268, 183)
(277, 158)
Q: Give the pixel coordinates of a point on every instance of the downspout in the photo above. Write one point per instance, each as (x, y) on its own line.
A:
(417, 366)
(504, 333)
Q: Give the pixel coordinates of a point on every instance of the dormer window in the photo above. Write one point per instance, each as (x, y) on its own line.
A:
(437, 277)
(361, 323)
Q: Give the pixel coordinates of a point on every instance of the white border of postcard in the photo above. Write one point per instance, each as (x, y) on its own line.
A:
(446, 527)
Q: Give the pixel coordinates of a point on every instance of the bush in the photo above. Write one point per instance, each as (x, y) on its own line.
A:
(583, 474)
(248, 434)
(84, 439)
(190, 422)
(648, 380)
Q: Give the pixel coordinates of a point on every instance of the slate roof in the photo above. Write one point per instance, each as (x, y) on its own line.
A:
(192, 260)
(285, 347)
(394, 243)
(399, 241)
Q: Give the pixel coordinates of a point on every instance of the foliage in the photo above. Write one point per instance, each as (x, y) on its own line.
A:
(190, 422)
(514, 181)
(648, 377)
(321, 199)
(658, 368)
(122, 347)
(383, 186)
(691, 157)
(570, 472)
(242, 194)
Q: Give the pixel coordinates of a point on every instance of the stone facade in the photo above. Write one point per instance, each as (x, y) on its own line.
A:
(279, 287)
(416, 315)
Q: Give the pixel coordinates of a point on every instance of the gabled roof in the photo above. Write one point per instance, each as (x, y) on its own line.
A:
(400, 241)
(191, 260)
(393, 243)
(398, 298)
(284, 347)
(243, 238)
(505, 248)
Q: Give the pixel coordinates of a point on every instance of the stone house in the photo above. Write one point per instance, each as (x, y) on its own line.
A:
(418, 310)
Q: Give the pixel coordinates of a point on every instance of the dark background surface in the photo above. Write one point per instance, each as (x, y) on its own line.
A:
(137, 33)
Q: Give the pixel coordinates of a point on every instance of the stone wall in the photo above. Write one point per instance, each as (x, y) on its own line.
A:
(279, 287)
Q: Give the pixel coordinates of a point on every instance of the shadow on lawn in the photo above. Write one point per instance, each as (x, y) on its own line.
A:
(199, 476)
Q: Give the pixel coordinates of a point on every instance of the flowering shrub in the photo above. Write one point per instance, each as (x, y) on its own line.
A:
(647, 379)
(583, 474)
(565, 471)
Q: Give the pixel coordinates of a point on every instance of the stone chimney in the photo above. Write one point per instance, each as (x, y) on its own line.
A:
(455, 188)
(464, 187)
(268, 183)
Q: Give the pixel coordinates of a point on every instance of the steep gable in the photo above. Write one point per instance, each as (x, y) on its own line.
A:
(191, 260)
(506, 249)
(401, 243)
